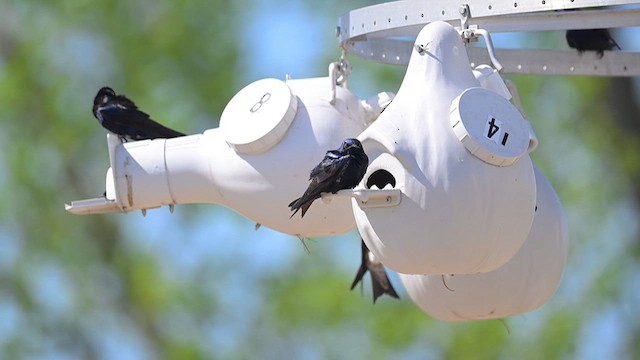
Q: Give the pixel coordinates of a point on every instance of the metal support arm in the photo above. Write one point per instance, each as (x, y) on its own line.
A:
(385, 32)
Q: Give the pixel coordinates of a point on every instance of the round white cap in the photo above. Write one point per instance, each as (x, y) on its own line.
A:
(489, 126)
(258, 116)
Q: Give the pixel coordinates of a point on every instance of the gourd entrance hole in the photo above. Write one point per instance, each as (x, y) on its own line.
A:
(381, 178)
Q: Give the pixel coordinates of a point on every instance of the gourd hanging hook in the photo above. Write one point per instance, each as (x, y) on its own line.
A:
(471, 34)
(339, 75)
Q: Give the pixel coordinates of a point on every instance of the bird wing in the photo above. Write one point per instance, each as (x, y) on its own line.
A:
(363, 264)
(323, 178)
(123, 120)
(132, 122)
(336, 171)
(332, 164)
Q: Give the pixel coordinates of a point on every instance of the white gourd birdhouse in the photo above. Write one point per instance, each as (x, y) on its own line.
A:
(458, 153)
(271, 134)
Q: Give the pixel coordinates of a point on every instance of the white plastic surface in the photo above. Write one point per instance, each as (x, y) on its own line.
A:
(375, 105)
(525, 283)
(457, 214)
(489, 126)
(140, 175)
(110, 187)
(490, 78)
(99, 205)
(258, 116)
(203, 168)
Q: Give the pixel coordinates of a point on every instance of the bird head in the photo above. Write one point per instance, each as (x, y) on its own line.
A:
(350, 144)
(104, 95)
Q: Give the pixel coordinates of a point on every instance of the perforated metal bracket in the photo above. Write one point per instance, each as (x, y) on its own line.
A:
(383, 32)
(369, 198)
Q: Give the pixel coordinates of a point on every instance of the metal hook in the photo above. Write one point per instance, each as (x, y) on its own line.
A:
(471, 34)
(339, 75)
(465, 14)
(465, 32)
(492, 54)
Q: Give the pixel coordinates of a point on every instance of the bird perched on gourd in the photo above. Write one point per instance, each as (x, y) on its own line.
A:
(121, 116)
(340, 169)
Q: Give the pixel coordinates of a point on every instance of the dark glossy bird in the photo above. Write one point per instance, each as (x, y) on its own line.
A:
(597, 40)
(340, 169)
(121, 116)
(379, 279)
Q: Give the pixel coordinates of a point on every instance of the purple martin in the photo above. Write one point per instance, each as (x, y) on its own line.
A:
(379, 279)
(597, 40)
(340, 169)
(121, 116)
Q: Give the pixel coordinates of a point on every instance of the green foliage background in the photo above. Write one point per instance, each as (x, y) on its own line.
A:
(125, 287)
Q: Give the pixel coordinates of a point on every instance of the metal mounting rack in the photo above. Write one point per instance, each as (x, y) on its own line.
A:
(385, 32)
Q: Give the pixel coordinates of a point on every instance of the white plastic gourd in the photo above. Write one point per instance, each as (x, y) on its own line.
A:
(271, 134)
(523, 284)
(459, 155)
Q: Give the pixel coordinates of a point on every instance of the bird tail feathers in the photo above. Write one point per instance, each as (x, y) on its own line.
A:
(297, 204)
(379, 280)
(381, 285)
